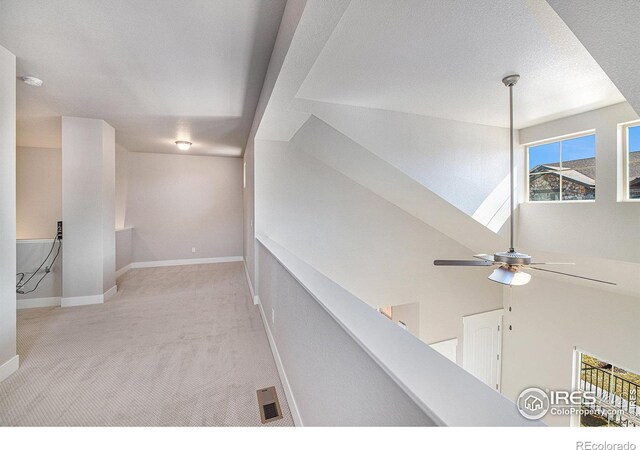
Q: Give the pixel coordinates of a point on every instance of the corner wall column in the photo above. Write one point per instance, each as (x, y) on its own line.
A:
(88, 211)
(8, 356)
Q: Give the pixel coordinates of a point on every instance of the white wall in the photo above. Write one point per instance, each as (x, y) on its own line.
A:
(30, 254)
(179, 202)
(8, 358)
(367, 245)
(570, 227)
(549, 319)
(124, 248)
(290, 18)
(39, 192)
(461, 162)
(409, 314)
(88, 208)
(552, 315)
(122, 183)
(341, 385)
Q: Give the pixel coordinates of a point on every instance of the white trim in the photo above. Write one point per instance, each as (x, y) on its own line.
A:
(82, 300)
(34, 241)
(254, 297)
(123, 229)
(123, 270)
(564, 137)
(553, 140)
(9, 367)
(26, 303)
(626, 179)
(111, 292)
(293, 406)
(185, 262)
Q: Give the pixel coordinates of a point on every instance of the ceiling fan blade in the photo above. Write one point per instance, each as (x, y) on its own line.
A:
(570, 275)
(484, 257)
(554, 263)
(461, 262)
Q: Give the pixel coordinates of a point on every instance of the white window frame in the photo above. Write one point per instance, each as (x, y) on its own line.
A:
(625, 161)
(565, 137)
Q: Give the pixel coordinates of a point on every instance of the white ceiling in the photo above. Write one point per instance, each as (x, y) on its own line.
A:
(610, 31)
(156, 70)
(446, 59)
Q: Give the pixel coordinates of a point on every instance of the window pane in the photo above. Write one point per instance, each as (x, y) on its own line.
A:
(579, 168)
(544, 177)
(634, 162)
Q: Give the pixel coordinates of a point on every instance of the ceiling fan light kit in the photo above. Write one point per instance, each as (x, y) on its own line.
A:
(510, 277)
(510, 263)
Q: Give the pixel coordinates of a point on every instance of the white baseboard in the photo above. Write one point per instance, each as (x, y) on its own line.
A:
(293, 406)
(110, 293)
(185, 262)
(25, 303)
(254, 297)
(82, 300)
(9, 367)
(123, 270)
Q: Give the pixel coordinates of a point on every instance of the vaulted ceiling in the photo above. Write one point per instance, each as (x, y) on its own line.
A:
(161, 71)
(446, 59)
(156, 70)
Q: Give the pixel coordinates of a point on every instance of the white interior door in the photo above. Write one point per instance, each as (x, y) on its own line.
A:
(482, 346)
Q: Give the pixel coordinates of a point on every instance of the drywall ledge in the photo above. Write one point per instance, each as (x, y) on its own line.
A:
(445, 392)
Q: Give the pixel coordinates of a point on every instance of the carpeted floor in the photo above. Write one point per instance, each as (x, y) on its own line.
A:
(177, 346)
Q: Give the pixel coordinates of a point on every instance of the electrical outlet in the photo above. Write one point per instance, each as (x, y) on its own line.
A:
(59, 236)
(193, 249)
(273, 316)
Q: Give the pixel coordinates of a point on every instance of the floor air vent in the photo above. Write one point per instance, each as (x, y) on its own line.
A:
(269, 405)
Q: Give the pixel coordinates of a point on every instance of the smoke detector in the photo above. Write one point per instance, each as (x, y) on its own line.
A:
(32, 81)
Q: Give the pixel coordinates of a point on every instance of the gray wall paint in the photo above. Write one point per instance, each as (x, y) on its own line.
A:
(30, 254)
(365, 244)
(549, 319)
(39, 192)
(290, 18)
(333, 380)
(122, 184)
(108, 207)
(88, 209)
(177, 202)
(7, 205)
(124, 248)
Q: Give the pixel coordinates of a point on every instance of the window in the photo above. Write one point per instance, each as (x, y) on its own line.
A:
(632, 161)
(615, 391)
(563, 170)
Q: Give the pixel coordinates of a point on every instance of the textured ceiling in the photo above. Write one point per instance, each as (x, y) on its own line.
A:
(610, 31)
(446, 59)
(156, 70)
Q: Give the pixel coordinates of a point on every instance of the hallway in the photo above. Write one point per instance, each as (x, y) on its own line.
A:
(177, 346)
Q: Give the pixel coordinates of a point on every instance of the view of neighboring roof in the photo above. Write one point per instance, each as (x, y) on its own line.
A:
(567, 173)
(584, 170)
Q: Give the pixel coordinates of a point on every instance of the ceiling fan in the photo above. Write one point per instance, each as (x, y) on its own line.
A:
(511, 265)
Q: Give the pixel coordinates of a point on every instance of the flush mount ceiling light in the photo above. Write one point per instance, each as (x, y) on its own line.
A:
(32, 81)
(511, 265)
(183, 145)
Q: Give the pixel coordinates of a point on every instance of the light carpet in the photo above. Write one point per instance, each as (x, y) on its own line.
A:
(177, 346)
